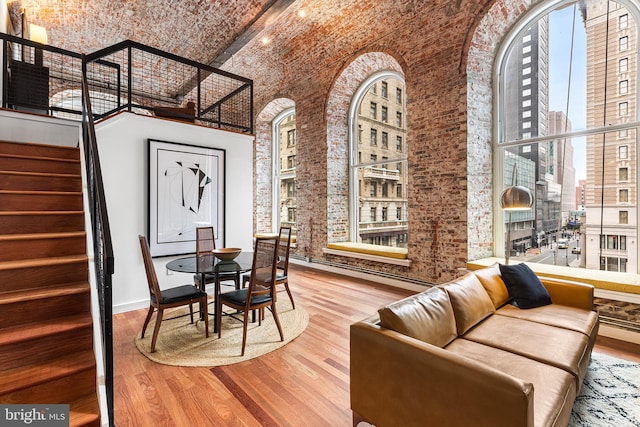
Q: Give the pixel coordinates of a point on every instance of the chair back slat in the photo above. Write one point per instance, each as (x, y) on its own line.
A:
(152, 278)
(205, 240)
(284, 246)
(265, 261)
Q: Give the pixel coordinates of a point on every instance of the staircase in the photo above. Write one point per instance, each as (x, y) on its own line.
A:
(46, 329)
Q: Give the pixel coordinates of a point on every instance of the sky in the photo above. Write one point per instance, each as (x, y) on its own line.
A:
(560, 36)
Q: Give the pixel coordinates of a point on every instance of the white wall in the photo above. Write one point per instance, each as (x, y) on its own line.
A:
(20, 127)
(122, 144)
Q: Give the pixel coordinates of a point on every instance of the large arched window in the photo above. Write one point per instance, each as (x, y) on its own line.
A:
(567, 110)
(284, 169)
(378, 162)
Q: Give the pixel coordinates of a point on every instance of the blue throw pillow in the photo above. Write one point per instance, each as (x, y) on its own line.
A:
(524, 287)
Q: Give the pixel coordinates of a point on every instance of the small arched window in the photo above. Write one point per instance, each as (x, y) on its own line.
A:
(284, 169)
(567, 129)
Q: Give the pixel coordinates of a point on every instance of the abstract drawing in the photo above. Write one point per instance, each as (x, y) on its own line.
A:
(186, 190)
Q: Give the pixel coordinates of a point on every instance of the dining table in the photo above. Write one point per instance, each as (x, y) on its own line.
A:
(210, 264)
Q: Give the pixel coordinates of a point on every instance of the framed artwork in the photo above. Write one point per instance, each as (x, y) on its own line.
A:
(186, 190)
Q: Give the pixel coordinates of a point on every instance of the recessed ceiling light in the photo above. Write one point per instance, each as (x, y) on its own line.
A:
(265, 40)
(302, 13)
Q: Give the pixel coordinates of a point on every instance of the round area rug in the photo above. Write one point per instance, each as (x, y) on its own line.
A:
(181, 343)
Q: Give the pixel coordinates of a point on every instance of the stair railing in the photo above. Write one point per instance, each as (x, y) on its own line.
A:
(103, 250)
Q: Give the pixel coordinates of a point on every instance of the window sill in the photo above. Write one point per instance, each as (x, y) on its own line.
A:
(383, 254)
(608, 284)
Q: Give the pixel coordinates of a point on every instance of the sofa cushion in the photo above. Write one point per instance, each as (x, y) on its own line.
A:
(561, 316)
(554, 389)
(559, 347)
(427, 316)
(470, 302)
(494, 285)
(524, 286)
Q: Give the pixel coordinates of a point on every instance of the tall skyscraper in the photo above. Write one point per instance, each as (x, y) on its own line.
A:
(610, 193)
(527, 112)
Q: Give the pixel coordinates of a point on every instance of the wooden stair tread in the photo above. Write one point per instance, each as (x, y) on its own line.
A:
(84, 411)
(30, 331)
(42, 192)
(32, 375)
(22, 295)
(39, 236)
(41, 174)
(42, 262)
(42, 158)
(22, 213)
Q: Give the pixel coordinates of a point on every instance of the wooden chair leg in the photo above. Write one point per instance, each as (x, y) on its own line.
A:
(244, 331)
(156, 329)
(275, 317)
(146, 321)
(286, 286)
(219, 315)
(206, 316)
(191, 312)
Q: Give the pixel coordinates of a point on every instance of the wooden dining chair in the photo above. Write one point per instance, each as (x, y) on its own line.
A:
(260, 293)
(206, 243)
(282, 274)
(173, 297)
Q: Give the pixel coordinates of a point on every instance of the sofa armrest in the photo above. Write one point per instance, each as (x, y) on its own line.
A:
(566, 292)
(398, 380)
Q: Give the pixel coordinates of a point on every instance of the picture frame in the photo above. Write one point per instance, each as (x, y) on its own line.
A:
(186, 190)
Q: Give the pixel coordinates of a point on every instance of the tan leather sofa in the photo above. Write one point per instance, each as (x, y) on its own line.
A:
(460, 355)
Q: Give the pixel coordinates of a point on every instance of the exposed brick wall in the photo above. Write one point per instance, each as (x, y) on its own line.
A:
(307, 61)
(443, 48)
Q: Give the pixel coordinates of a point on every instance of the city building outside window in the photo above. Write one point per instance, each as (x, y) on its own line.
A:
(548, 127)
(284, 170)
(370, 163)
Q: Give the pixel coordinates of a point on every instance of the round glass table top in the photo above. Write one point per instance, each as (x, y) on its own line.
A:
(209, 263)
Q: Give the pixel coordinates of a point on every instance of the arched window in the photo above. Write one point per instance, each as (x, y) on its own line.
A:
(567, 110)
(378, 162)
(284, 169)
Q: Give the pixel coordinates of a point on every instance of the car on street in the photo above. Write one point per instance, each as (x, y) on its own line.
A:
(575, 250)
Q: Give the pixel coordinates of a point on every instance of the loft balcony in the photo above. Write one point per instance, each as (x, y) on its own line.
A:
(371, 172)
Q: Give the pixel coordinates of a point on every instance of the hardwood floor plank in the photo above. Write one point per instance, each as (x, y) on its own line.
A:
(305, 383)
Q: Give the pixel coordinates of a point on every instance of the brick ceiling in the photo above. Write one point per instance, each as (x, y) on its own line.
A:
(207, 31)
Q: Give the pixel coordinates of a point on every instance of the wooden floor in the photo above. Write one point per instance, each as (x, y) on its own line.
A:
(305, 383)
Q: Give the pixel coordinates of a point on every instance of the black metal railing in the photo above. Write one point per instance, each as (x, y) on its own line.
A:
(40, 78)
(135, 77)
(103, 250)
(128, 76)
